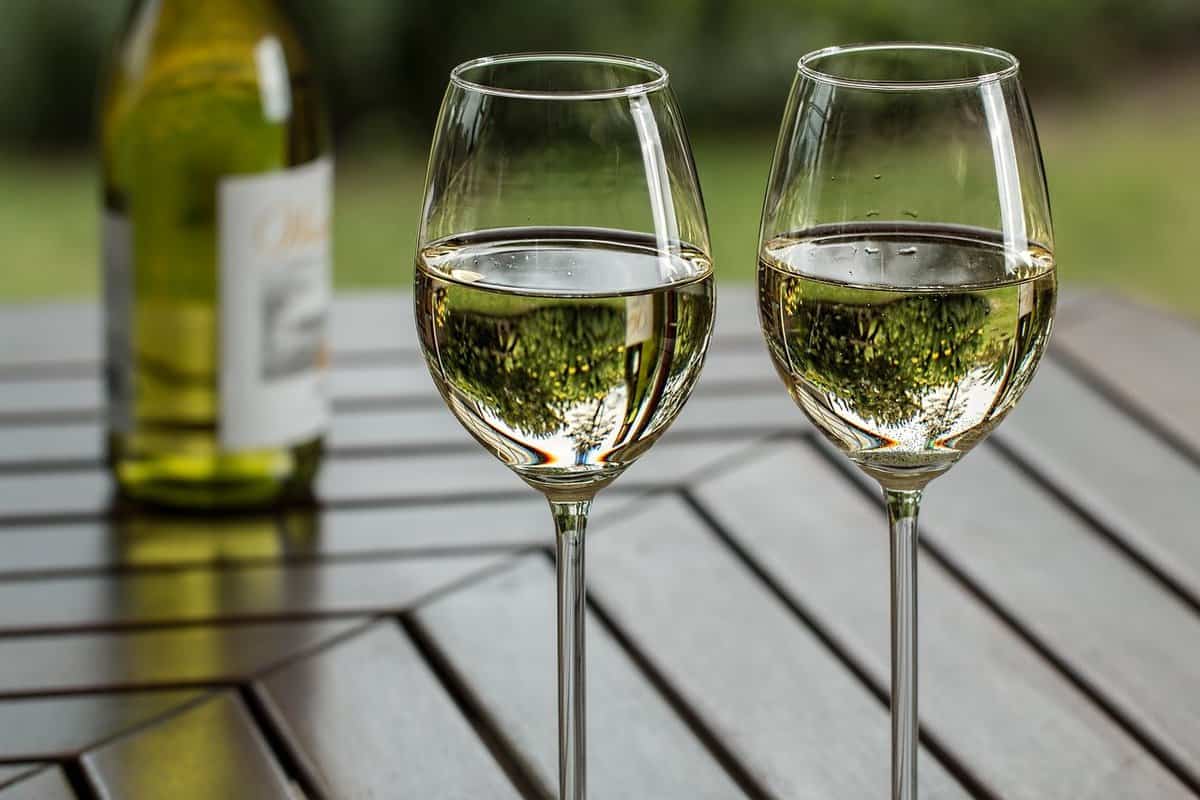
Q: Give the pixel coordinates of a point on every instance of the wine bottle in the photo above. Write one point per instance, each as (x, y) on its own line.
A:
(217, 199)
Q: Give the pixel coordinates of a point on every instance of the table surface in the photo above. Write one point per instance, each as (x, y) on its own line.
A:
(397, 641)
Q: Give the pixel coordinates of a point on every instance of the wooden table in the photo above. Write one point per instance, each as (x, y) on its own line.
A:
(398, 641)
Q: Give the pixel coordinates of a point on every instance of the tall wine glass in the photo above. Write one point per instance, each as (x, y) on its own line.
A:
(906, 279)
(564, 290)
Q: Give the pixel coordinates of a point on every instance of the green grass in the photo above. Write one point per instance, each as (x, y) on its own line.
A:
(1124, 186)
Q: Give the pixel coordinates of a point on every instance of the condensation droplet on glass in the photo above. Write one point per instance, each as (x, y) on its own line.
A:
(910, 213)
(907, 251)
(878, 176)
(874, 212)
(872, 251)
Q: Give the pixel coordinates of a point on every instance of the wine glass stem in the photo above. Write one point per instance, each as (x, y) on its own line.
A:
(902, 507)
(570, 521)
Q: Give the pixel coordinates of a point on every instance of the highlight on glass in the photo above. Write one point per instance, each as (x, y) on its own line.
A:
(564, 292)
(906, 279)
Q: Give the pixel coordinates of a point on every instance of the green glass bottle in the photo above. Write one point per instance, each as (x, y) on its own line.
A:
(217, 200)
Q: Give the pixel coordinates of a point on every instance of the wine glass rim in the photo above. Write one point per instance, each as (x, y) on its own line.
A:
(657, 76)
(1010, 67)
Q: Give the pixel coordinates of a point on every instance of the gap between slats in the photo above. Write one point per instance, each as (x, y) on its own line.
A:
(1096, 525)
(961, 576)
(830, 641)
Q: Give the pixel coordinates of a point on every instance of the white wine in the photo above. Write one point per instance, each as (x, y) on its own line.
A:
(905, 345)
(565, 352)
(217, 190)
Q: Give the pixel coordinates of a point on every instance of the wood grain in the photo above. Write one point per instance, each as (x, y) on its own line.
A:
(369, 719)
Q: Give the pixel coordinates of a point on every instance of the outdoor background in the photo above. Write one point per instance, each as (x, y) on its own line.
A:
(1115, 85)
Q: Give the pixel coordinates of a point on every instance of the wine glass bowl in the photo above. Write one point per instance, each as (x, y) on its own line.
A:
(564, 293)
(906, 278)
(564, 351)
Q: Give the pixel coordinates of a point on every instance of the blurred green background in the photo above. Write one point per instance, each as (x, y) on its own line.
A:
(1115, 85)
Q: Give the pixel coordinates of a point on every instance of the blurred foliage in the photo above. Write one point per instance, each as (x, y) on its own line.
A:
(387, 60)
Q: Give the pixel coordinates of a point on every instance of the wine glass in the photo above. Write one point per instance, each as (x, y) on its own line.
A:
(564, 293)
(906, 279)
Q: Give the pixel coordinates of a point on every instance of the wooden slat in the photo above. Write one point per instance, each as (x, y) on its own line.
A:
(143, 541)
(365, 322)
(785, 706)
(74, 492)
(499, 636)
(418, 429)
(49, 784)
(9, 773)
(243, 594)
(51, 443)
(212, 750)
(399, 382)
(713, 410)
(368, 718)
(37, 334)
(1073, 303)
(473, 474)
(512, 523)
(79, 492)
(61, 727)
(1137, 486)
(1142, 356)
(158, 542)
(1106, 618)
(1003, 711)
(51, 397)
(94, 662)
(737, 312)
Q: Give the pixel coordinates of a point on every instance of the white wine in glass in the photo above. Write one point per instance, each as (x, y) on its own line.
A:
(566, 379)
(906, 279)
(564, 291)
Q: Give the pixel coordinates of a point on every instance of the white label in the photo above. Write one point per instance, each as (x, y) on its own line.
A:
(118, 317)
(274, 251)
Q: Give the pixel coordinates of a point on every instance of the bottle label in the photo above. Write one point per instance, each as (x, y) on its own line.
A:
(275, 292)
(118, 303)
